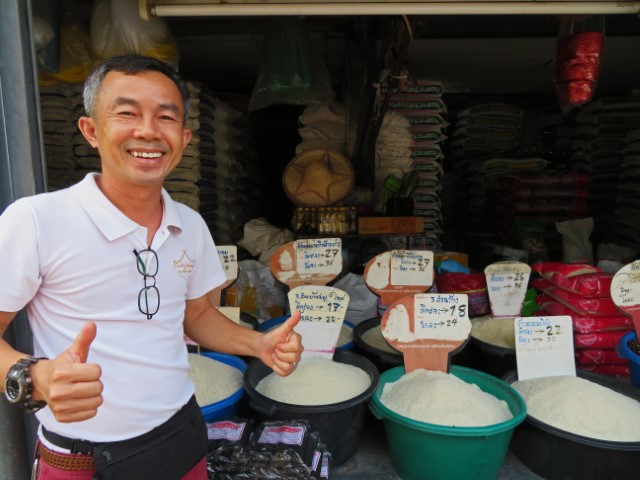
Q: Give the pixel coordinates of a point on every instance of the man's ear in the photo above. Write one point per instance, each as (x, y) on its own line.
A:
(88, 129)
(186, 137)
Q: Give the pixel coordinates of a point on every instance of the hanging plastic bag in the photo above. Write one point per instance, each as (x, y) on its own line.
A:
(291, 72)
(578, 51)
(74, 61)
(117, 29)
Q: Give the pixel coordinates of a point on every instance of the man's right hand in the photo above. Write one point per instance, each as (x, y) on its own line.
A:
(70, 386)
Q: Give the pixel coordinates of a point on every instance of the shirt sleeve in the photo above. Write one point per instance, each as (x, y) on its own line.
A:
(207, 273)
(18, 256)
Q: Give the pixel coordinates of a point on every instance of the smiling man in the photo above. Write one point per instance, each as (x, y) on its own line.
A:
(97, 267)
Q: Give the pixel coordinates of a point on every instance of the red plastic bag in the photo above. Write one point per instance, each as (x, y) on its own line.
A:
(598, 340)
(611, 370)
(473, 284)
(578, 51)
(588, 285)
(599, 356)
(597, 307)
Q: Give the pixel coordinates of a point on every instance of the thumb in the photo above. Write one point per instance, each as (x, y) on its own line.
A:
(79, 349)
(287, 327)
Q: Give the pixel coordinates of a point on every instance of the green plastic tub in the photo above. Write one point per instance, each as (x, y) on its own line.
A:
(424, 451)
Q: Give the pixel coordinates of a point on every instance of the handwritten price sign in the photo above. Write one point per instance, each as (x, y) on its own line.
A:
(442, 316)
(625, 292)
(411, 267)
(322, 311)
(544, 346)
(322, 255)
(229, 258)
(507, 286)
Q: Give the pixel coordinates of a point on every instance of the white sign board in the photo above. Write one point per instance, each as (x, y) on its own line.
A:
(229, 258)
(322, 311)
(411, 267)
(544, 346)
(443, 316)
(319, 256)
(507, 286)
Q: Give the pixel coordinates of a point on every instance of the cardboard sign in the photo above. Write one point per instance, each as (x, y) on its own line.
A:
(232, 313)
(322, 311)
(399, 273)
(427, 328)
(307, 262)
(625, 292)
(507, 286)
(544, 346)
(229, 258)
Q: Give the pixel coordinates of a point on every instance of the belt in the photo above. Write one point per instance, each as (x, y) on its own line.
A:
(66, 461)
(74, 445)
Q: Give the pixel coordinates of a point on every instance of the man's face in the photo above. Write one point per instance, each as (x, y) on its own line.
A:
(137, 126)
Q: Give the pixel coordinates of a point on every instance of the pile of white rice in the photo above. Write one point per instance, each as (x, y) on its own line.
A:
(582, 407)
(316, 381)
(214, 380)
(494, 331)
(443, 399)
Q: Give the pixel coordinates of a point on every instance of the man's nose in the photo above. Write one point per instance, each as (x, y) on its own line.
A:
(147, 127)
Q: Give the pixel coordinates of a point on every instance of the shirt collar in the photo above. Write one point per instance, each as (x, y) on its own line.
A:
(112, 222)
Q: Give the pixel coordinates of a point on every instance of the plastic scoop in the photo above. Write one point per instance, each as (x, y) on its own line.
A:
(322, 311)
(307, 262)
(399, 273)
(427, 328)
(625, 292)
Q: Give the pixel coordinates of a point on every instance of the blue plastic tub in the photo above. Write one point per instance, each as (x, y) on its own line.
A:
(273, 322)
(634, 359)
(227, 406)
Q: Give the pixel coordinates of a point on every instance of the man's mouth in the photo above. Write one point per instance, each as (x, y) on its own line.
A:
(145, 154)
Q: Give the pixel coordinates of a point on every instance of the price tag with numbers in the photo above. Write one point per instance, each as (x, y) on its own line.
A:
(427, 328)
(411, 267)
(507, 286)
(544, 346)
(399, 273)
(320, 255)
(322, 311)
(229, 258)
(307, 262)
(625, 292)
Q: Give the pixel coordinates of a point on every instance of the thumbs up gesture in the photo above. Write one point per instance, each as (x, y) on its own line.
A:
(282, 347)
(70, 386)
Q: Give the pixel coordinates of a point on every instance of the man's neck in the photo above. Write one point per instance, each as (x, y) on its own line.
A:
(141, 204)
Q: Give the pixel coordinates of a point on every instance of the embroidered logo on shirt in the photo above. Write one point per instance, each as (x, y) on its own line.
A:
(184, 264)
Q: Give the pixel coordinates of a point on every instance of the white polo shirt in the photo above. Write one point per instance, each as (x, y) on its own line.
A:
(68, 256)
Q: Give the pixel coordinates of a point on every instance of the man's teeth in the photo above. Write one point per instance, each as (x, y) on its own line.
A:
(147, 154)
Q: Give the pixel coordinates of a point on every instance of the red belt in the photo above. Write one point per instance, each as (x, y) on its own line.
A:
(66, 461)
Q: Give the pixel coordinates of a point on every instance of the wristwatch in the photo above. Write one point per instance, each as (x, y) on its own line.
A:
(18, 387)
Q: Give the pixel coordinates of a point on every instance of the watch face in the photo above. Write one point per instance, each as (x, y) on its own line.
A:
(12, 389)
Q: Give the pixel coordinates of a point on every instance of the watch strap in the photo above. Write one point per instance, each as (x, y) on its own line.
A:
(26, 402)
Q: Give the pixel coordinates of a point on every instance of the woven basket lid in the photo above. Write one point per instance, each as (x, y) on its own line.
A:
(318, 178)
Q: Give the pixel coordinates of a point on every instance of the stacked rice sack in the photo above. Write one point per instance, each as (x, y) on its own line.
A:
(59, 129)
(412, 134)
(627, 212)
(583, 292)
(232, 186)
(540, 198)
(485, 138)
(600, 149)
(323, 126)
(182, 182)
